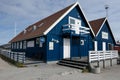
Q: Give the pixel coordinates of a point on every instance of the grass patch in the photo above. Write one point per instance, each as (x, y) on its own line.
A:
(10, 61)
(85, 70)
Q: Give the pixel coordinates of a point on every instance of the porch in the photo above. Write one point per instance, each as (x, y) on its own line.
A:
(96, 58)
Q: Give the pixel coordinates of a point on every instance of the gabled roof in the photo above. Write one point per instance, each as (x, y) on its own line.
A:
(46, 24)
(96, 24)
(41, 26)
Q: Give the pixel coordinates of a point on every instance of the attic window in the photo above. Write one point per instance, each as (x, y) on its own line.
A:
(40, 24)
(34, 27)
(25, 31)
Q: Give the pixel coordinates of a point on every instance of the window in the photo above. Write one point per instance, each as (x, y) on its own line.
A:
(14, 45)
(17, 45)
(24, 45)
(37, 40)
(30, 44)
(110, 46)
(104, 35)
(21, 45)
(72, 21)
(51, 46)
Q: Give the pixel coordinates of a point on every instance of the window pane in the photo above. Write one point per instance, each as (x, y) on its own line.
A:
(72, 21)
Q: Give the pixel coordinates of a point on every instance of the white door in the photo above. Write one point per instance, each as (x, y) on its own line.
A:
(104, 46)
(95, 45)
(66, 48)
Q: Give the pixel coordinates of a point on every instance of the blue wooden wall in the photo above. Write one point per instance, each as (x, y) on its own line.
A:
(56, 33)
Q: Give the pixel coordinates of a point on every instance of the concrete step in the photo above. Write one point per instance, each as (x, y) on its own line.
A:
(73, 66)
(73, 63)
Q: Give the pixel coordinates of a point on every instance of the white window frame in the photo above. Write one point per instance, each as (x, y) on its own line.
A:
(104, 35)
(31, 43)
(21, 44)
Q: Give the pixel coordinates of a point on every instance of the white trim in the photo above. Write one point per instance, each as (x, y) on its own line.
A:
(95, 45)
(86, 19)
(101, 27)
(66, 48)
(104, 46)
(58, 20)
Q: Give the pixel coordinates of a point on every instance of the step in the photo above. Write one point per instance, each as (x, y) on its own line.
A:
(73, 66)
(85, 62)
(74, 63)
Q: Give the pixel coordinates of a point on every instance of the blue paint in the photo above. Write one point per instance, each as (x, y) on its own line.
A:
(57, 34)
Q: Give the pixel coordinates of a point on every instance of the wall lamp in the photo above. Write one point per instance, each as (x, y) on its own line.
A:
(54, 40)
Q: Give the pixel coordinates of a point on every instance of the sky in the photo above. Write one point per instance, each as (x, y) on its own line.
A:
(22, 13)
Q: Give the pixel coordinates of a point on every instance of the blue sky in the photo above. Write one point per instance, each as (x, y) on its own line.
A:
(26, 12)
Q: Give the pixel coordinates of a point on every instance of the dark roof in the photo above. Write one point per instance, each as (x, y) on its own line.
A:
(41, 26)
(96, 24)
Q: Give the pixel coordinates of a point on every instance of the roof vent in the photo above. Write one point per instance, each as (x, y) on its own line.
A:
(25, 31)
(40, 24)
(34, 27)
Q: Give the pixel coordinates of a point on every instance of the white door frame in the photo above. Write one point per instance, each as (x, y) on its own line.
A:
(95, 45)
(66, 48)
(104, 46)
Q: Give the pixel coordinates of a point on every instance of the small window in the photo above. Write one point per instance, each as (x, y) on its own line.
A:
(41, 44)
(72, 21)
(21, 45)
(30, 44)
(24, 45)
(17, 45)
(34, 27)
(37, 40)
(110, 46)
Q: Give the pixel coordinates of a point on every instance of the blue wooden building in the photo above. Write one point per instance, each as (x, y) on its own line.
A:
(104, 39)
(64, 34)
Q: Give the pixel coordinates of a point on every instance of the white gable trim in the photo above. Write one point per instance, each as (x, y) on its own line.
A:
(86, 20)
(101, 27)
(57, 21)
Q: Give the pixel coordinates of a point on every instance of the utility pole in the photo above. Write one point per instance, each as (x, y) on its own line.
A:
(106, 8)
(15, 29)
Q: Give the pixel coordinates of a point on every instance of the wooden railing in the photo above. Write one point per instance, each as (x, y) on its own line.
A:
(16, 56)
(102, 55)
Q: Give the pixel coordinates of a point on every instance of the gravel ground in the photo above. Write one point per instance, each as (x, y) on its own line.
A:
(54, 72)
